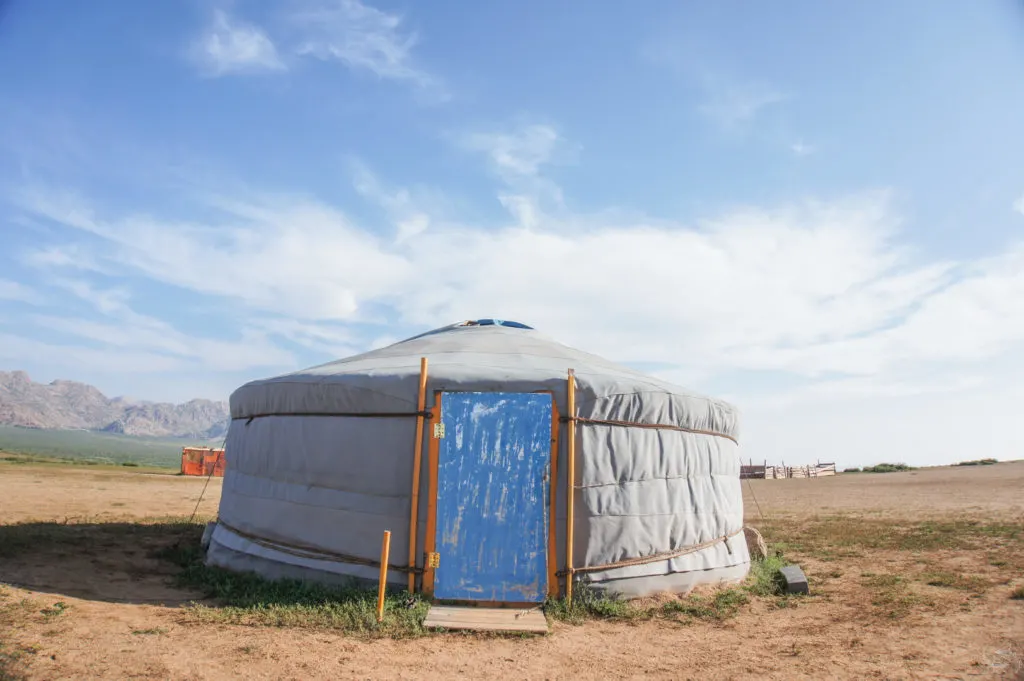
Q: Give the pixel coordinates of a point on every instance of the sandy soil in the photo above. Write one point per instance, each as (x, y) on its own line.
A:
(120, 618)
(981, 491)
(50, 492)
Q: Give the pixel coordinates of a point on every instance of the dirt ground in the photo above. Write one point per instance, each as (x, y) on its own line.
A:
(107, 608)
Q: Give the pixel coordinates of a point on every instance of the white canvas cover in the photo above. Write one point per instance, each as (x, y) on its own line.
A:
(308, 492)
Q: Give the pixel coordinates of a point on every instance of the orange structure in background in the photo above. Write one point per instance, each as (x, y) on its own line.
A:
(202, 461)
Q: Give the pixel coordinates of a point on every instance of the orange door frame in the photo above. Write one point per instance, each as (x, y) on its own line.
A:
(433, 456)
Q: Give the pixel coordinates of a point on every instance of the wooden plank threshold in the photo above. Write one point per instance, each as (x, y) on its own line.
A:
(486, 619)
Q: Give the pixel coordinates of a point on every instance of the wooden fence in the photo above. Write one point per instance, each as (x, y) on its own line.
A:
(766, 472)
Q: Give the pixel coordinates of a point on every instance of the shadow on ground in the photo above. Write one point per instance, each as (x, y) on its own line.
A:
(115, 562)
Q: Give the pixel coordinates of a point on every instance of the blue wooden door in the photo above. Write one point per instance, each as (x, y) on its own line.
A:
(493, 482)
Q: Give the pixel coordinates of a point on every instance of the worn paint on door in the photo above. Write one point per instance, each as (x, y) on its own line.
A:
(493, 478)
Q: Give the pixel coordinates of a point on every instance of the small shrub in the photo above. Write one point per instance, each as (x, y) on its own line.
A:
(978, 462)
(851, 470)
(765, 577)
(888, 468)
(589, 603)
(58, 609)
(130, 464)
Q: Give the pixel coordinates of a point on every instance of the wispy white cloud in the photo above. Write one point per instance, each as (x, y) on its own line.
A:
(824, 293)
(519, 156)
(19, 350)
(298, 240)
(519, 152)
(122, 328)
(732, 105)
(800, 148)
(842, 390)
(869, 421)
(231, 46)
(108, 301)
(811, 289)
(362, 38)
(154, 337)
(69, 256)
(333, 340)
(16, 291)
(410, 218)
(730, 101)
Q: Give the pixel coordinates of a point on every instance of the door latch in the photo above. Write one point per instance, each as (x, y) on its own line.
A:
(433, 560)
(438, 431)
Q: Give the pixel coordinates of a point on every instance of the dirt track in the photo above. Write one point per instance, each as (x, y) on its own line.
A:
(110, 626)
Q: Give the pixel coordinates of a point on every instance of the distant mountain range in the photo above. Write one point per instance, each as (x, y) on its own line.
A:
(71, 405)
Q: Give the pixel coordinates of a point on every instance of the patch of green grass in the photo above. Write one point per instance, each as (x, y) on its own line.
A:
(90, 447)
(155, 631)
(722, 605)
(978, 462)
(12, 662)
(12, 655)
(1018, 593)
(955, 580)
(765, 577)
(248, 599)
(11, 611)
(851, 470)
(893, 595)
(242, 598)
(26, 459)
(20, 459)
(591, 604)
(847, 536)
(887, 468)
(58, 609)
(785, 601)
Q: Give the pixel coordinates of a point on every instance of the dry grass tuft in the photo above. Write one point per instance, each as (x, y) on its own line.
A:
(14, 614)
(894, 596)
(955, 580)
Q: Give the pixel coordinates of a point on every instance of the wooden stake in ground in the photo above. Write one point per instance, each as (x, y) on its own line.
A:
(385, 550)
(414, 506)
(571, 476)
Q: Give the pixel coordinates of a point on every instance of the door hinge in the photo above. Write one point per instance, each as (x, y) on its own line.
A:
(433, 560)
(438, 431)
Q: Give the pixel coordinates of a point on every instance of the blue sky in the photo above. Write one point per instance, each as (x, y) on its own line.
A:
(815, 211)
